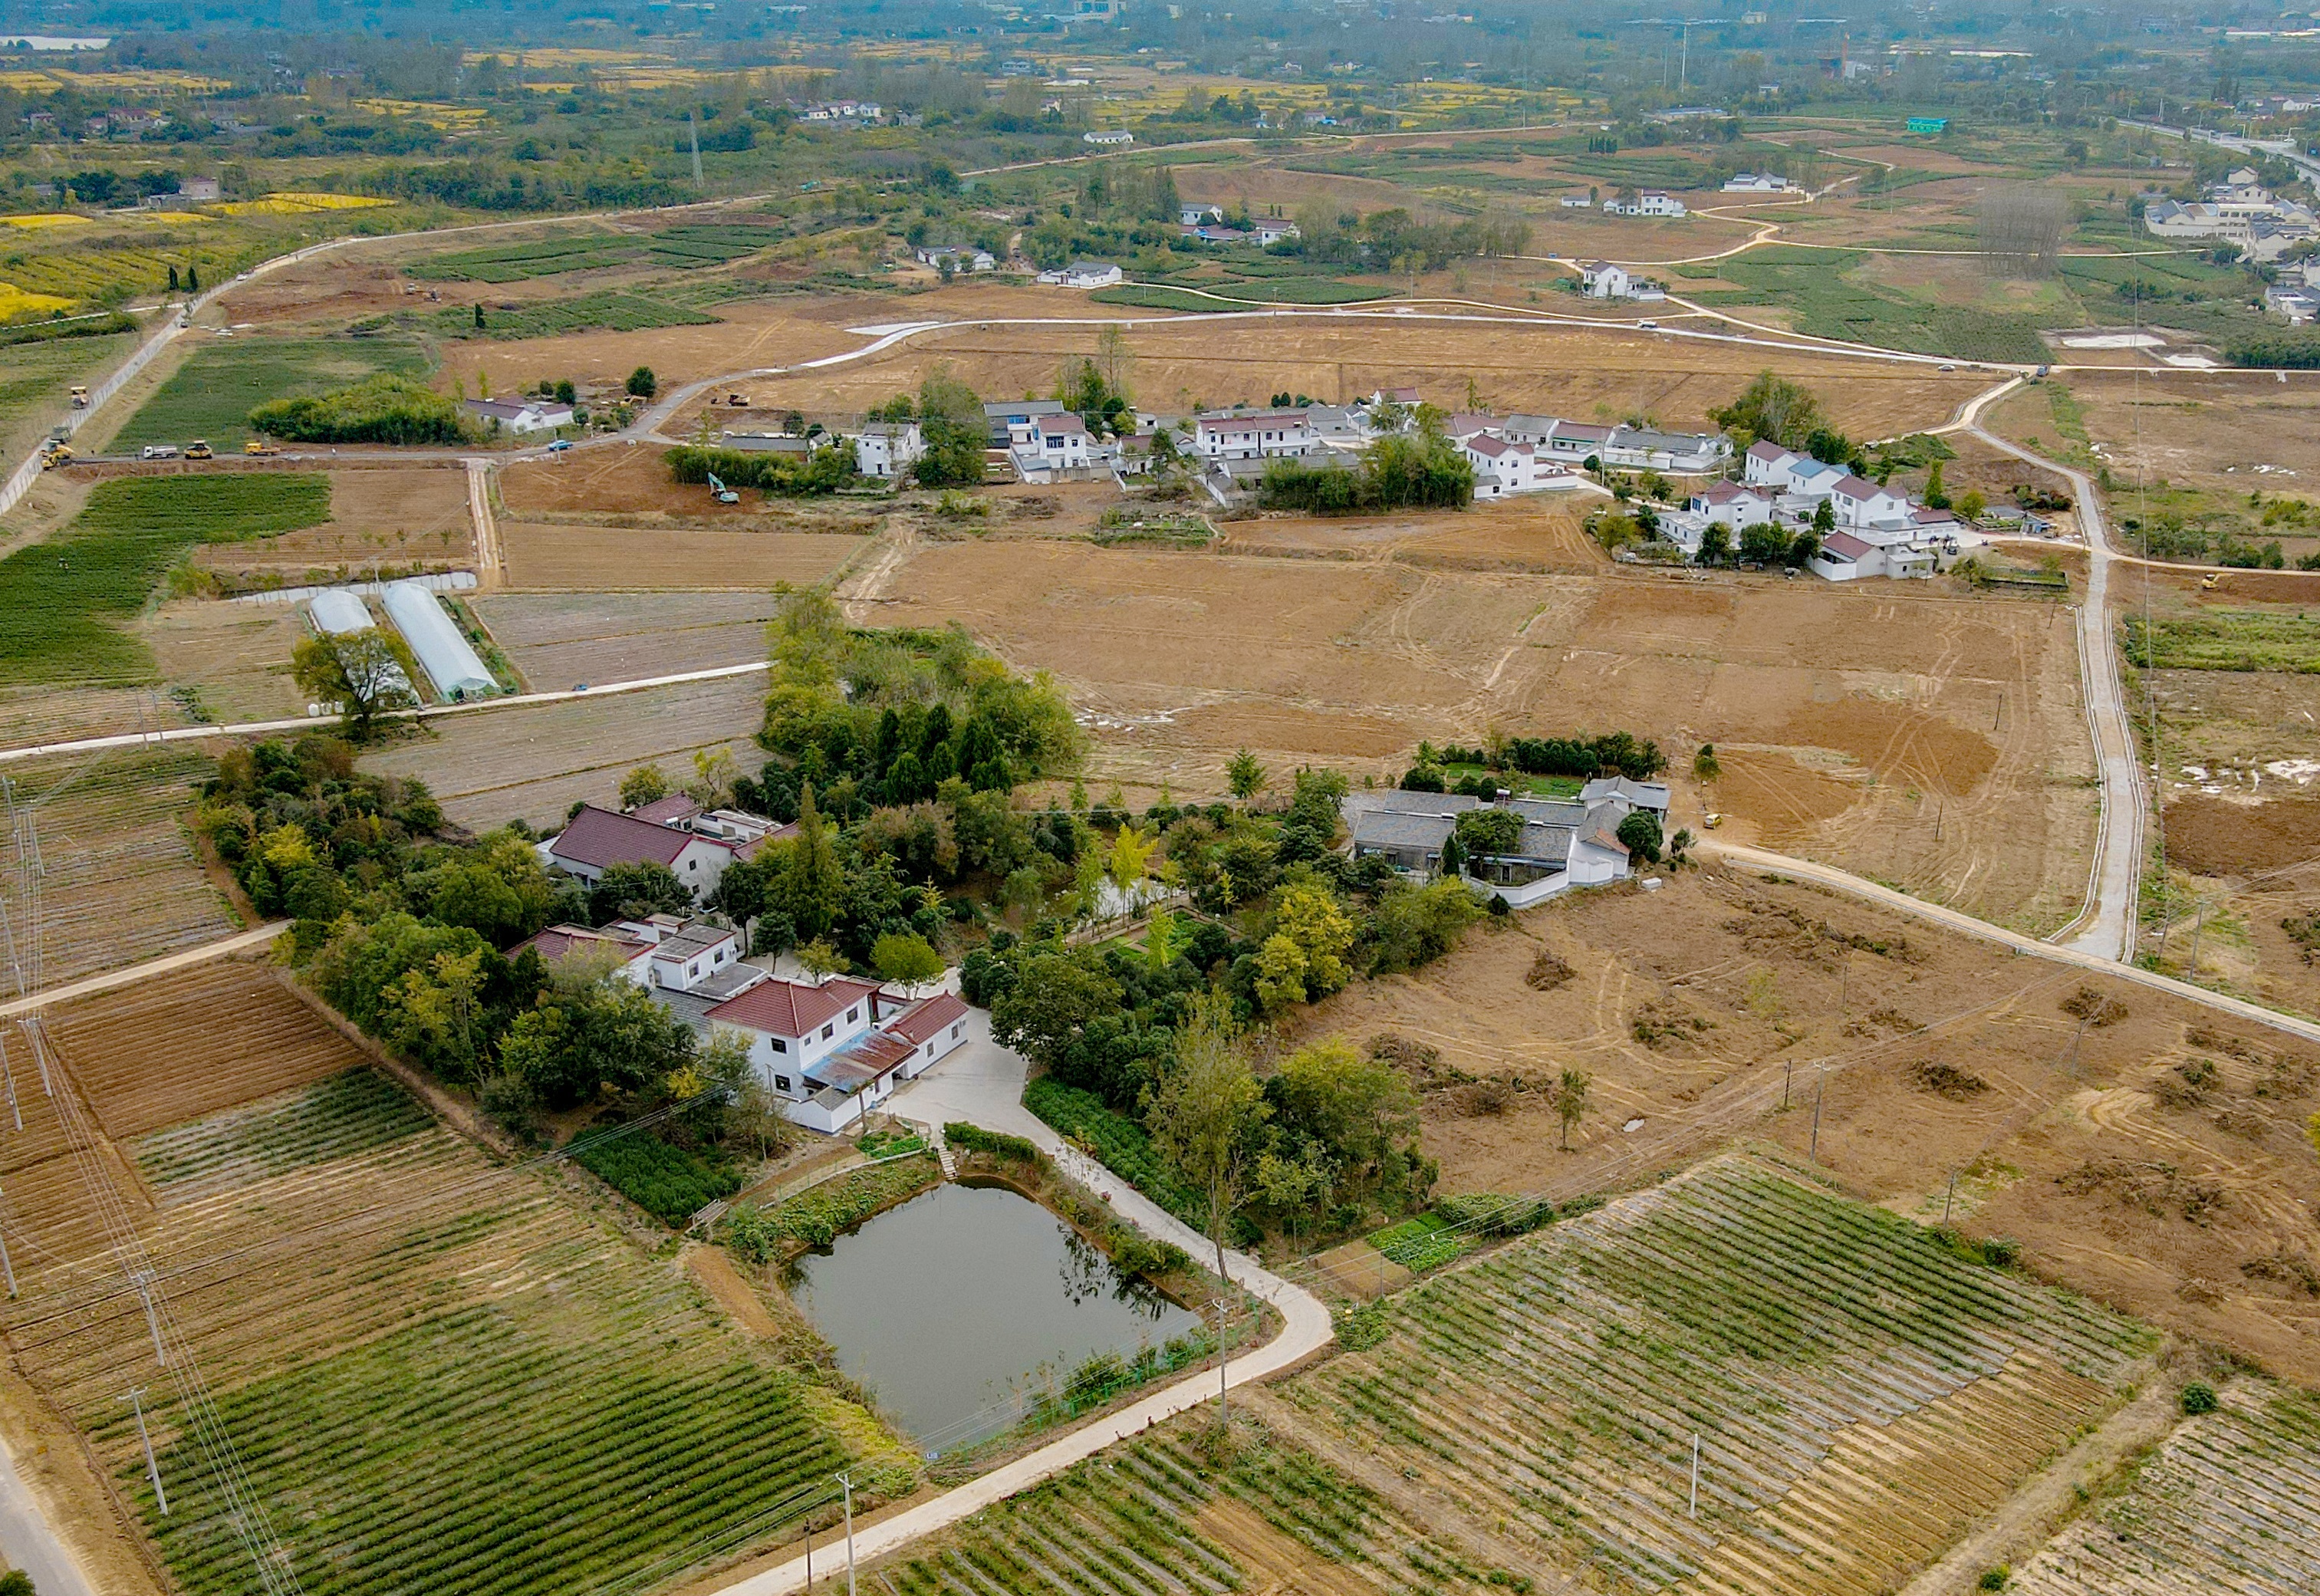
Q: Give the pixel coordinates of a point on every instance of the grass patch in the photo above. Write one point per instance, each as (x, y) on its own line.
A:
(1151, 296)
(1116, 1141)
(1828, 304)
(2226, 639)
(1183, 530)
(63, 601)
(671, 1184)
(1426, 1242)
(817, 1217)
(1303, 291)
(211, 395)
(589, 313)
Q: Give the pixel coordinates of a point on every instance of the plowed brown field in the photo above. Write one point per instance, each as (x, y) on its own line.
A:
(562, 557)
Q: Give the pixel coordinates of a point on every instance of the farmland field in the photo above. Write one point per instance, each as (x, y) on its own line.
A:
(2227, 1504)
(1861, 1393)
(587, 313)
(435, 1371)
(535, 763)
(211, 394)
(559, 557)
(59, 598)
(390, 520)
(567, 637)
(121, 884)
(34, 378)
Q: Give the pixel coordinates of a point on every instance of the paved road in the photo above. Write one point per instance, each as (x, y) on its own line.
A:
(2106, 926)
(224, 948)
(29, 1543)
(982, 1082)
(2074, 956)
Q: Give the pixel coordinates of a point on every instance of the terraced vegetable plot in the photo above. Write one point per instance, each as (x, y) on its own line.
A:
(121, 882)
(438, 1374)
(1861, 1392)
(2232, 1503)
(512, 263)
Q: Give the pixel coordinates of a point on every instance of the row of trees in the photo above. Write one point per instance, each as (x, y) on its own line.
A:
(383, 409)
(1420, 470)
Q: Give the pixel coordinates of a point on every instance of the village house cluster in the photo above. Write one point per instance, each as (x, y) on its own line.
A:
(1878, 531)
(2240, 209)
(832, 1051)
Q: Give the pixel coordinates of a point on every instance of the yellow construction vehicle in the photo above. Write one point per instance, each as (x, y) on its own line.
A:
(200, 449)
(56, 454)
(79, 397)
(258, 446)
(2211, 581)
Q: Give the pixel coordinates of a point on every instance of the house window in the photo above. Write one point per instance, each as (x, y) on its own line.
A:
(781, 1083)
(850, 1013)
(826, 1030)
(780, 1046)
(955, 1029)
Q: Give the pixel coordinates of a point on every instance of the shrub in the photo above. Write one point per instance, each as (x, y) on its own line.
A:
(668, 1182)
(2001, 1252)
(976, 1140)
(1133, 1253)
(1994, 1579)
(383, 409)
(825, 471)
(2199, 1397)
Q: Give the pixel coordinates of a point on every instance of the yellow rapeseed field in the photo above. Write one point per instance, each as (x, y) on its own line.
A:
(300, 205)
(47, 219)
(16, 302)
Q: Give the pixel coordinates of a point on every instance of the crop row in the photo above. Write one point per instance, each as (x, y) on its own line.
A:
(335, 1118)
(2231, 1502)
(510, 263)
(587, 313)
(1559, 1382)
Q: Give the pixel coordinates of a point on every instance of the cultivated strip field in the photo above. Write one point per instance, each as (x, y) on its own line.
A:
(1861, 1393)
(559, 557)
(534, 763)
(437, 1372)
(559, 638)
(2231, 1502)
(120, 881)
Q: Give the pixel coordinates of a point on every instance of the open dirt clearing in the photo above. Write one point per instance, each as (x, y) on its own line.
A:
(564, 637)
(2205, 430)
(387, 521)
(1911, 732)
(2154, 1160)
(533, 763)
(562, 556)
(236, 657)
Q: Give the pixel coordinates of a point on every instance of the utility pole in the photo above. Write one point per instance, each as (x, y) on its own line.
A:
(152, 1469)
(143, 1281)
(1787, 1074)
(693, 118)
(9, 1266)
(1950, 1199)
(2198, 925)
(1224, 1355)
(1695, 1474)
(8, 1073)
(847, 1480)
(1819, 1092)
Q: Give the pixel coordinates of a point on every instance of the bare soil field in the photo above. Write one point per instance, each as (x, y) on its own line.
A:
(156, 1052)
(533, 763)
(633, 486)
(1916, 734)
(48, 713)
(390, 520)
(562, 556)
(235, 657)
(2153, 1159)
(2205, 430)
(1535, 533)
(1182, 361)
(563, 638)
(121, 882)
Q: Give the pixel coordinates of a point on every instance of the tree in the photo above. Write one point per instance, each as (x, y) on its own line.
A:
(907, 959)
(173, 279)
(642, 383)
(479, 315)
(1762, 544)
(1203, 1115)
(193, 279)
(367, 674)
(1825, 517)
(1715, 544)
(810, 888)
(1130, 858)
(1570, 1089)
(16, 1581)
(1454, 857)
(1971, 504)
(1935, 497)
(1053, 999)
(647, 784)
(712, 777)
(818, 960)
(954, 429)
(1704, 765)
(1304, 959)
(1803, 547)
(1640, 831)
(1772, 407)
(1244, 775)
(636, 889)
(1363, 1110)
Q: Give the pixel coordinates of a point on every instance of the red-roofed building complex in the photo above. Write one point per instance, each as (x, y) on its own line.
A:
(835, 1051)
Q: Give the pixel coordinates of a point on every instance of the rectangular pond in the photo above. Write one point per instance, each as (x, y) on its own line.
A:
(957, 1306)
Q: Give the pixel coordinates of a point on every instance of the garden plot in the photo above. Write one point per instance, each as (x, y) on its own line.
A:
(233, 660)
(534, 762)
(121, 882)
(2231, 1502)
(564, 637)
(382, 523)
(1861, 1392)
(436, 1372)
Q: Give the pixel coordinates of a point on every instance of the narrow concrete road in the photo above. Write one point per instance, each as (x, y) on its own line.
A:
(28, 1542)
(248, 941)
(491, 567)
(2077, 957)
(982, 1083)
(2106, 926)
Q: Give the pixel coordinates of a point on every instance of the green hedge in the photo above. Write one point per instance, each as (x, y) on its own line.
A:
(958, 1133)
(671, 1184)
(825, 471)
(385, 409)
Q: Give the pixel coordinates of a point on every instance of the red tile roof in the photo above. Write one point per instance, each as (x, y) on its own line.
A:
(916, 1024)
(674, 809)
(556, 941)
(599, 838)
(1845, 544)
(789, 1009)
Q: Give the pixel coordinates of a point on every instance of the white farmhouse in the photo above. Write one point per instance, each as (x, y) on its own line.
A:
(595, 840)
(1044, 447)
(1650, 201)
(1757, 183)
(1083, 274)
(1859, 502)
(520, 415)
(1602, 280)
(1501, 468)
(1264, 434)
(1563, 843)
(823, 1051)
(886, 449)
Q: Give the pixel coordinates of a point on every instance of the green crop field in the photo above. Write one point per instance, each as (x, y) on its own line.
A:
(1303, 291)
(671, 1184)
(1118, 1143)
(63, 601)
(1812, 283)
(2226, 640)
(587, 313)
(512, 263)
(1862, 1391)
(1153, 297)
(35, 378)
(697, 242)
(436, 1372)
(211, 396)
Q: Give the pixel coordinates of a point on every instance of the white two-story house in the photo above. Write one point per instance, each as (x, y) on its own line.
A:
(836, 1052)
(1253, 435)
(888, 449)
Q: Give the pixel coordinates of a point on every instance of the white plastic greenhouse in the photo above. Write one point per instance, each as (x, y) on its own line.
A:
(437, 644)
(338, 614)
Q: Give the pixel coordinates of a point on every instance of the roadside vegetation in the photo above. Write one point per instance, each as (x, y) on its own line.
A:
(211, 394)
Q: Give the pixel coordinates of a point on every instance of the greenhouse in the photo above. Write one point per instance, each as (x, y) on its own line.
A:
(449, 661)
